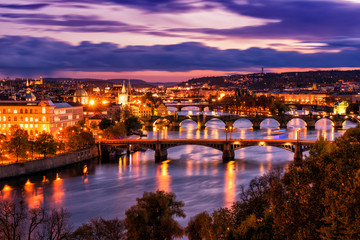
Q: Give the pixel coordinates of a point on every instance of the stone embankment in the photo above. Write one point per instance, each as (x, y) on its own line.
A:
(40, 165)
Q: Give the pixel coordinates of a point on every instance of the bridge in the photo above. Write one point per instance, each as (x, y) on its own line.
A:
(225, 145)
(180, 106)
(174, 121)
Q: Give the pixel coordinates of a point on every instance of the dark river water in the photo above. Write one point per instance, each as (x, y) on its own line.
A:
(196, 174)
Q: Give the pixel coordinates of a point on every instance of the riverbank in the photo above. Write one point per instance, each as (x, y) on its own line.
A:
(14, 170)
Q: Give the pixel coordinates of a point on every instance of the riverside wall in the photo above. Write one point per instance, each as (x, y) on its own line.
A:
(14, 170)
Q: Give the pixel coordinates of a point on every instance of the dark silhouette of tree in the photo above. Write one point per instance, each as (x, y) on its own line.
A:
(56, 225)
(101, 229)
(12, 217)
(116, 131)
(132, 124)
(105, 123)
(153, 217)
(45, 144)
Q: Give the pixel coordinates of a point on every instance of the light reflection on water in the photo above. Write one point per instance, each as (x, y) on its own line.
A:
(195, 173)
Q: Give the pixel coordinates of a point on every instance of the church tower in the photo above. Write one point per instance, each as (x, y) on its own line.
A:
(123, 97)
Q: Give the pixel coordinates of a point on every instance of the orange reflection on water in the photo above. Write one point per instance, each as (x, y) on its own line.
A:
(262, 170)
(162, 176)
(189, 168)
(230, 187)
(34, 196)
(6, 192)
(269, 158)
(58, 189)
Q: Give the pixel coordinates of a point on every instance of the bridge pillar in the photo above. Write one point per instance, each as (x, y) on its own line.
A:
(283, 124)
(148, 125)
(228, 153)
(298, 155)
(175, 125)
(310, 124)
(256, 125)
(338, 124)
(160, 153)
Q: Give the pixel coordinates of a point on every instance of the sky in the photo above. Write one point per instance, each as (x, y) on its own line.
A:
(175, 40)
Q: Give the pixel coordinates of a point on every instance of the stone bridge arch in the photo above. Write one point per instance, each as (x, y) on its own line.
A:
(214, 118)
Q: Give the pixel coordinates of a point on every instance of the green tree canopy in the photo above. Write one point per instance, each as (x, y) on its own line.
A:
(45, 144)
(105, 123)
(101, 229)
(19, 143)
(153, 217)
(132, 124)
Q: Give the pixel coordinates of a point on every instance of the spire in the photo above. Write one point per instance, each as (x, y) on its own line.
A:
(129, 88)
(123, 90)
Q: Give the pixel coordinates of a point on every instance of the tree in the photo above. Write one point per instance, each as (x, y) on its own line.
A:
(18, 144)
(116, 131)
(319, 200)
(199, 227)
(56, 225)
(45, 144)
(101, 229)
(132, 123)
(12, 217)
(77, 138)
(153, 217)
(105, 123)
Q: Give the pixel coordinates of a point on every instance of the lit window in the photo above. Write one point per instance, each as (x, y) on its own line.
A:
(21, 125)
(9, 125)
(26, 125)
(9, 110)
(36, 126)
(26, 119)
(36, 119)
(44, 119)
(43, 110)
(31, 125)
(15, 111)
(31, 119)
(4, 118)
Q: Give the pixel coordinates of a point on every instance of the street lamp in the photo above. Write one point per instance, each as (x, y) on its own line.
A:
(226, 132)
(230, 128)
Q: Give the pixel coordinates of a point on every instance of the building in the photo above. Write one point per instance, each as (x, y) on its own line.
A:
(38, 116)
(145, 110)
(81, 96)
(340, 108)
(124, 97)
(162, 110)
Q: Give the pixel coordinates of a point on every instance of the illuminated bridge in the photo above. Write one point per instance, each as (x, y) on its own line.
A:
(225, 145)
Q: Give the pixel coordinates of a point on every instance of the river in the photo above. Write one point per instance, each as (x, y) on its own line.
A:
(195, 173)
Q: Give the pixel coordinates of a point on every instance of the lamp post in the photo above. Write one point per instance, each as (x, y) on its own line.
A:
(226, 132)
(230, 128)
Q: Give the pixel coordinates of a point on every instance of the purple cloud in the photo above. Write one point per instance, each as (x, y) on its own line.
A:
(301, 19)
(28, 55)
(24, 6)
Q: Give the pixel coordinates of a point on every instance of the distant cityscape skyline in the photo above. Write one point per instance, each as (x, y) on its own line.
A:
(175, 40)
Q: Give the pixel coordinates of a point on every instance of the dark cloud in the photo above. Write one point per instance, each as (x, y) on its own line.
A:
(27, 16)
(28, 55)
(304, 20)
(24, 6)
(171, 6)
